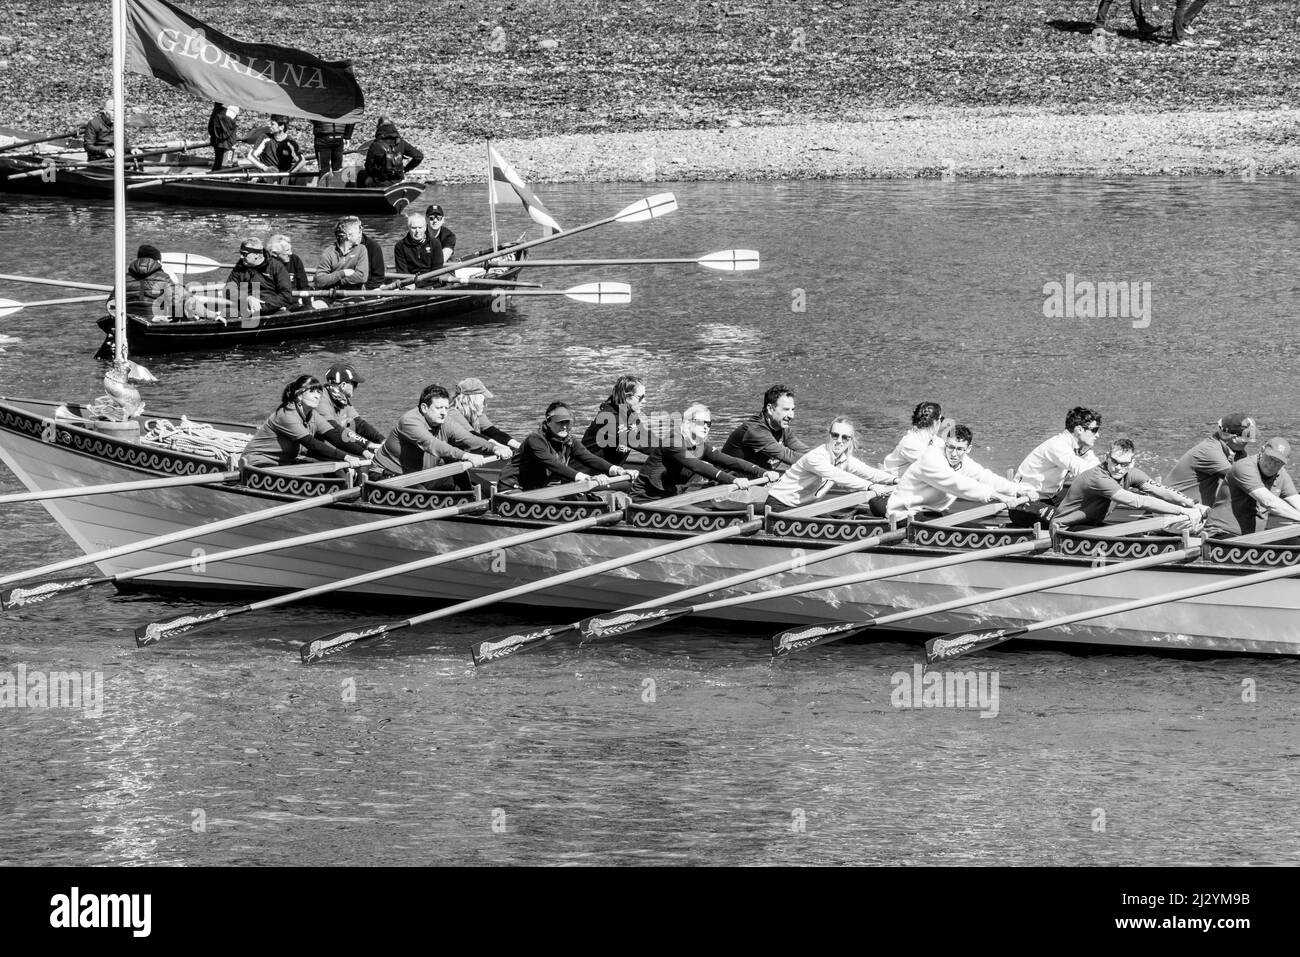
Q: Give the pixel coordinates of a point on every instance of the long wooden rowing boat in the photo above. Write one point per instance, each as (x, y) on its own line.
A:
(50, 447)
(149, 336)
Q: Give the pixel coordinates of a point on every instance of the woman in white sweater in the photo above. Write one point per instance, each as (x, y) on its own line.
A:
(829, 466)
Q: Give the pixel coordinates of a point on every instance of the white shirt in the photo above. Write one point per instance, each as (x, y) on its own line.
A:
(1046, 468)
(816, 472)
(908, 450)
(930, 482)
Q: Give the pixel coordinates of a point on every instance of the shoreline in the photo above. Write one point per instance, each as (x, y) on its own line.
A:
(898, 144)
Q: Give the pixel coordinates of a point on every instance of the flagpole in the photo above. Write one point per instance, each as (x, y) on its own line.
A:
(119, 186)
(492, 206)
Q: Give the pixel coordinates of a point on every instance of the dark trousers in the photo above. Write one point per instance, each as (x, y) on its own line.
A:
(1103, 13)
(1184, 13)
(329, 156)
(1035, 513)
(221, 157)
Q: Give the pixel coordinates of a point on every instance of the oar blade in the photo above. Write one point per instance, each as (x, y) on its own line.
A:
(188, 263)
(960, 643)
(731, 260)
(156, 631)
(332, 644)
(27, 595)
(809, 636)
(401, 195)
(598, 627)
(601, 293)
(651, 207)
(9, 306)
(486, 652)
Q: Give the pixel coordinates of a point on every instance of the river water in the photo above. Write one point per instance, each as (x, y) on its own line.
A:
(686, 744)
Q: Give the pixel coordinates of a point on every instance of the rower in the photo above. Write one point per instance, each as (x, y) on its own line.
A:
(439, 231)
(929, 427)
(261, 283)
(422, 440)
(417, 252)
(616, 430)
(1258, 486)
(1205, 466)
(943, 474)
(467, 412)
(345, 264)
(545, 457)
(293, 429)
(767, 437)
(1062, 458)
(1115, 481)
(348, 431)
(686, 455)
(831, 466)
(277, 150)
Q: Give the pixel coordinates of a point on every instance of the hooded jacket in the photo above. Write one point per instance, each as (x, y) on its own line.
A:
(151, 292)
(390, 157)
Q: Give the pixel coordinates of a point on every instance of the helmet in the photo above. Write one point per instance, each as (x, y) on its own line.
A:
(342, 372)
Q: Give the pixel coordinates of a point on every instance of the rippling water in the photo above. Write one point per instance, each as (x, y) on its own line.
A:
(686, 744)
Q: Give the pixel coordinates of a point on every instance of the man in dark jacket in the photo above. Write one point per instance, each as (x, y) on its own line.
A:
(439, 231)
(330, 138)
(417, 252)
(261, 283)
(766, 439)
(390, 157)
(222, 134)
(97, 137)
(150, 291)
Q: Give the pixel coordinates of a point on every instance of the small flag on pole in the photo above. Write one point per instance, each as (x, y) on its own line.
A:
(505, 181)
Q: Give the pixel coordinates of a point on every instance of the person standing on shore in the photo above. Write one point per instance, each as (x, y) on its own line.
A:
(1144, 26)
(1184, 13)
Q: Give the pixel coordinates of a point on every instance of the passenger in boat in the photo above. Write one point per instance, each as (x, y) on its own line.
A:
(416, 252)
(467, 412)
(423, 439)
(943, 474)
(1116, 482)
(151, 292)
(347, 430)
(345, 264)
(686, 456)
(1056, 461)
(97, 136)
(439, 231)
(293, 429)
(389, 158)
(277, 150)
(546, 457)
(374, 260)
(1258, 486)
(261, 282)
(929, 427)
(1204, 468)
(223, 135)
(830, 466)
(329, 140)
(618, 427)
(767, 437)
(281, 247)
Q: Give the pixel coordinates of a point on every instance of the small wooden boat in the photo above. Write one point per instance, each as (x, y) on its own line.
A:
(49, 447)
(149, 336)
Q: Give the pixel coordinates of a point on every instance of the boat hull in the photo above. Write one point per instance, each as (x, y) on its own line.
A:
(1257, 619)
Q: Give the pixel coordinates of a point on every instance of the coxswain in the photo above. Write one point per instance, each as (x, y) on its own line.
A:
(830, 467)
(686, 455)
(1056, 462)
(943, 474)
(422, 440)
(348, 431)
(1116, 481)
(546, 457)
(767, 437)
(293, 429)
(1203, 469)
(929, 427)
(1258, 486)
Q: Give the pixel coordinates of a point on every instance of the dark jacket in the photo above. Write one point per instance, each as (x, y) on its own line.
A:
(390, 157)
(275, 289)
(755, 441)
(151, 292)
(613, 433)
(98, 135)
(544, 460)
(668, 469)
(222, 134)
(374, 256)
(410, 256)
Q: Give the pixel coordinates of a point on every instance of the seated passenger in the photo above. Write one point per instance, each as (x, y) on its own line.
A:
(422, 440)
(686, 456)
(943, 474)
(389, 157)
(374, 260)
(261, 283)
(150, 291)
(545, 456)
(345, 264)
(829, 467)
(281, 248)
(416, 252)
(293, 430)
(277, 150)
(443, 236)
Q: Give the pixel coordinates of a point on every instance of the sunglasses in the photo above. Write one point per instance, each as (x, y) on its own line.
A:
(1094, 429)
(1118, 464)
(704, 422)
(842, 436)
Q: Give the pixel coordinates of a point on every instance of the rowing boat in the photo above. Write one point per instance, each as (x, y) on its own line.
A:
(149, 336)
(48, 446)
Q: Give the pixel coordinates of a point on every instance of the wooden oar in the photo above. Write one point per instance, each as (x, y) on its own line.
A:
(595, 293)
(176, 147)
(185, 534)
(332, 644)
(727, 260)
(957, 644)
(810, 636)
(44, 139)
(650, 208)
(612, 625)
(172, 481)
(66, 283)
(10, 306)
(238, 176)
(155, 631)
(488, 651)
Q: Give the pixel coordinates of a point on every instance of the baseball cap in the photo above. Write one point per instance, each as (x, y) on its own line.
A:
(1238, 424)
(434, 210)
(1278, 447)
(343, 372)
(473, 387)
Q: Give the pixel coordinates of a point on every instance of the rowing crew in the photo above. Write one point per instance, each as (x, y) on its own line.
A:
(1061, 482)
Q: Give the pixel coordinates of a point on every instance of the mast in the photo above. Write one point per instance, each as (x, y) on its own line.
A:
(119, 186)
(492, 195)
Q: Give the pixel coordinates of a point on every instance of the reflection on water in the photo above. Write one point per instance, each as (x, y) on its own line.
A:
(687, 744)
